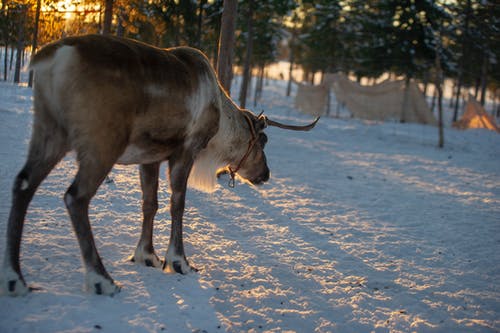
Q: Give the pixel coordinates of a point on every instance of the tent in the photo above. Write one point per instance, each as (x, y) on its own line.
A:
(312, 100)
(475, 117)
(388, 100)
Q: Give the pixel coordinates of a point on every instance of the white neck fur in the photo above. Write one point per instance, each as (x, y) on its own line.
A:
(218, 153)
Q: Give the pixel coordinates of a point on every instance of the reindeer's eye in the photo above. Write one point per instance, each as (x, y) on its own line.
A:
(262, 139)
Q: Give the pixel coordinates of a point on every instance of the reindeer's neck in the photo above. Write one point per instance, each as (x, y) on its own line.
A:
(223, 149)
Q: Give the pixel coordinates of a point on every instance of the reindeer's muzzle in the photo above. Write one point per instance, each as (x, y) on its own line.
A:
(262, 178)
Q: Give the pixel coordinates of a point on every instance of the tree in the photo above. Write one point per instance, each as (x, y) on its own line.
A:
(462, 40)
(248, 54)
(21, 35)
(292, 46)
(226, 44)
(261, 30)
(488, 23)
(34, 44)
(321, 36)
(438, 82)
(178, 21)
(108, 17)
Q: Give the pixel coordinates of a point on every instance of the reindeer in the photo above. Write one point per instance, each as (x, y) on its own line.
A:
(115, 100)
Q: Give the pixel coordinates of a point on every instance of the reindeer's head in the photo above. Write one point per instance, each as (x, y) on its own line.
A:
(253, 164)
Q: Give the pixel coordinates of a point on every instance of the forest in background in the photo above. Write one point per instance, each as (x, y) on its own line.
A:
(424, 40)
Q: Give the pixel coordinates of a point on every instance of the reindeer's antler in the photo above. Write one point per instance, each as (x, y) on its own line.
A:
(308, 127)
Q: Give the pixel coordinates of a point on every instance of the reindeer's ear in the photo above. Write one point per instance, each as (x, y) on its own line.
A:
(260, 123)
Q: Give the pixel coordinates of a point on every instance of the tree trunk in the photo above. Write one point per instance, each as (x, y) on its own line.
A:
(405, 99)
(201, 5)
(290, 69)
(439, 87)
(453, 89)
(248, 57)
(226, 44)
(20, 45)
(11, 63)
(457, 97)
(6, 38)
(494, 106)
(484, 79)
(34, 45)
(440, 115)
(465, 45)
(476, 87)
(5, 62)
(121, 17)
(434, 95)
(108, 17)
(426, 83)
(259, 85)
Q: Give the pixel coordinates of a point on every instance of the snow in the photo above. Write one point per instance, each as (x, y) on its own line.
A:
(363, 227)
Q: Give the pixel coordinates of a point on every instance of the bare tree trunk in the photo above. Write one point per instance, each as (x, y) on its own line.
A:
(20, 45)
(34, 45)
(405, 99)
(452, 97)
(457, 97)
(5, 61)
(476, 87)
(226, 44)
(248, 61)
(494, 106)
(201, 5)
(438, 84)
(426, 83)
(462, 59)
(484, 79)
(108, 17)
(328, 100)
(122, 16)
(259, 84)
(6, 37)
(440, 116)
(290, 69)
(434, 95)
(11, 63)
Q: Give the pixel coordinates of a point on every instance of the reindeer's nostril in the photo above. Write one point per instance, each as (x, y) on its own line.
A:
(264, 177)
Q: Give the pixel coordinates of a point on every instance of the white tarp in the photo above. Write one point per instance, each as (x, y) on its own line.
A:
(388, 100)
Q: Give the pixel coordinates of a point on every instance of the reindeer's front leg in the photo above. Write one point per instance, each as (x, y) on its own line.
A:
(179, 168)
(144, 253)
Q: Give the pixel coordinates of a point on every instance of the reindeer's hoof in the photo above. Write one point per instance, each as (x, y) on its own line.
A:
(14, 287)
(100, 285)
(146, 259)
(11, 284)
(178, 265)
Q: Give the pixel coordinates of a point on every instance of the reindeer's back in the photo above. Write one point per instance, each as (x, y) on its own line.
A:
(98, 84)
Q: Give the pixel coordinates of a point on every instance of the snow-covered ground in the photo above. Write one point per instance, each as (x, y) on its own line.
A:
(363, 227)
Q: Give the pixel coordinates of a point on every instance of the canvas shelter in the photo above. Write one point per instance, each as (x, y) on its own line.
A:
(476, 117)
(311, 99)
(388, 100)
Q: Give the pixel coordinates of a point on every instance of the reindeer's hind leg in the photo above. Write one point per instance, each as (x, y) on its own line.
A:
(91, 173)
(144, 253)
(48, 145)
